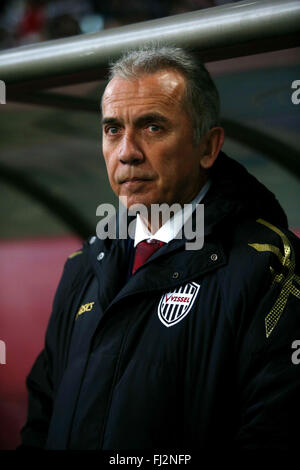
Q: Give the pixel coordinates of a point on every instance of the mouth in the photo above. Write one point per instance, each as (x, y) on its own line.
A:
(135, 180)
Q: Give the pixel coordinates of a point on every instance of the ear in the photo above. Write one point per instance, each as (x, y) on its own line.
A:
(210, 146)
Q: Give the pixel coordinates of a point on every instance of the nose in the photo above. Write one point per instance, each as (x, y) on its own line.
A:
(130, 151)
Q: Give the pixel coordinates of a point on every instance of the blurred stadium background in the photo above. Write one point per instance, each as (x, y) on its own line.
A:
(53, 175)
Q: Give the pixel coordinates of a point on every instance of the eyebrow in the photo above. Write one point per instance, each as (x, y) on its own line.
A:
(110, 121)
(140, 121)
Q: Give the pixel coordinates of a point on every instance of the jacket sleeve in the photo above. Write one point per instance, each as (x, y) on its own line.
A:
(39, 382)
(268, 364)
(39, 386)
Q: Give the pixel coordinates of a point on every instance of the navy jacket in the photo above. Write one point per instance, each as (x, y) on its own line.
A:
(124, 369)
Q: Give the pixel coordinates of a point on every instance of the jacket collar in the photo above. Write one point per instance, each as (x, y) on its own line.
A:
(173, 266)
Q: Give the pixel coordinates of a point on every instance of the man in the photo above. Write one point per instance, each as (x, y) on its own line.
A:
(172, 348)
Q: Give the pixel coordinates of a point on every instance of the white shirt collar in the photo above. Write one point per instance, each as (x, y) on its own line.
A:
(172, 226)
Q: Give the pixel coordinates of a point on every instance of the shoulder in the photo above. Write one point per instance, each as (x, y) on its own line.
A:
(75, 261)
(258, 248)
(263, 268)
(78, 264)
(263, 242)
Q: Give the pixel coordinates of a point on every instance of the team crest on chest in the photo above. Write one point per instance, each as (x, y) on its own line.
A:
(175, 305)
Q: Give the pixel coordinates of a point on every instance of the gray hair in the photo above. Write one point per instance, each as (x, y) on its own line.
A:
(201, 95)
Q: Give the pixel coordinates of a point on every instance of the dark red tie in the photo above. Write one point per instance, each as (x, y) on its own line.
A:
(143, 251)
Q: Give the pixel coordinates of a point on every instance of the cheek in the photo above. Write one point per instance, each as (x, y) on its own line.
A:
(109, 162)
(172, 165)
(110, 174)
(176, 172)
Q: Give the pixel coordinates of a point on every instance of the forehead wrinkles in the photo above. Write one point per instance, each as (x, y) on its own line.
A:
(162, 89)
(136, 103)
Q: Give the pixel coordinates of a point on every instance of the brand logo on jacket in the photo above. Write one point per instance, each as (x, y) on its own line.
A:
(175, 305)
(84, 308)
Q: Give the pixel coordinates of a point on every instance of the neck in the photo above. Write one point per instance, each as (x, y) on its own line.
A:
(159, 214)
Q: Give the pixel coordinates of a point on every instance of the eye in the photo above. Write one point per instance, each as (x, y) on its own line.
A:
(154, 128)
(111, 130)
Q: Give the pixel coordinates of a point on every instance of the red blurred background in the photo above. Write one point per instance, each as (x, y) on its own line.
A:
(29, 273)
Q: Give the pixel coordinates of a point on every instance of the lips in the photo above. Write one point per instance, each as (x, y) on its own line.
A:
(134, 179)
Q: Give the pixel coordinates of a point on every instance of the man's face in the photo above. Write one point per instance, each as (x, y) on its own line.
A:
(148, 140)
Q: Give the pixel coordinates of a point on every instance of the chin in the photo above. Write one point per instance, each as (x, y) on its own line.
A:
(138, 201)
(134, 201)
